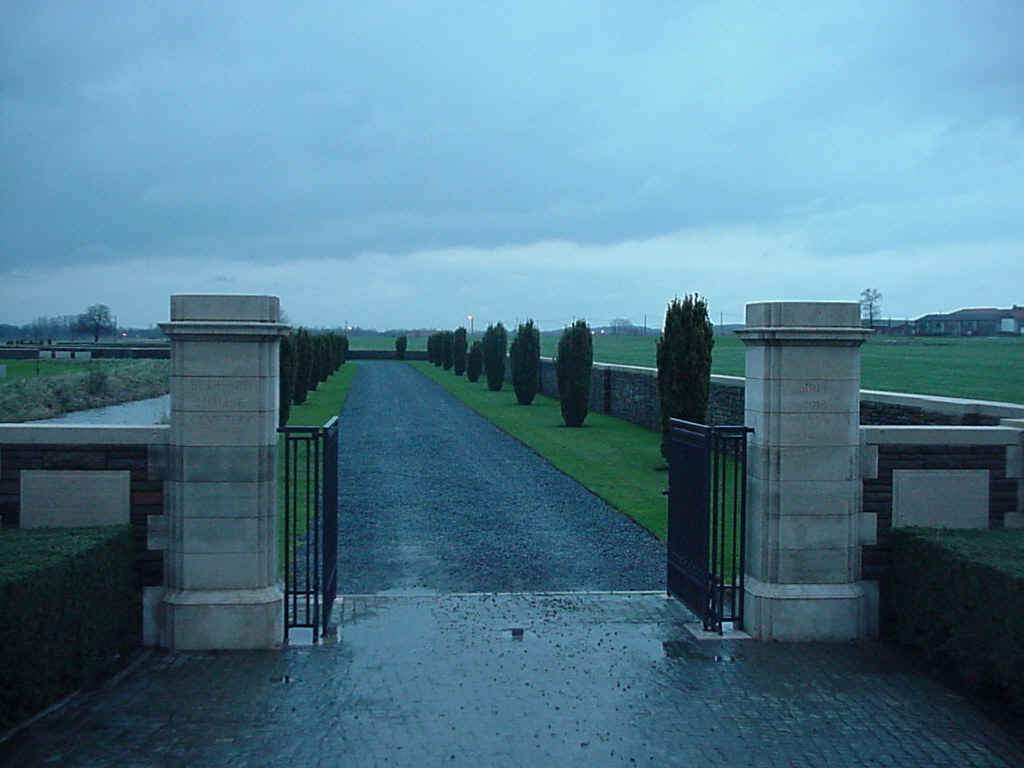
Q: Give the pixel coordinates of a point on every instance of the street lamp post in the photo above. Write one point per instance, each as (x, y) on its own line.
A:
(470, 318)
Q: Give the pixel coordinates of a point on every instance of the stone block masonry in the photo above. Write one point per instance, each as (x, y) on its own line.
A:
(220, 569)
(804, 531)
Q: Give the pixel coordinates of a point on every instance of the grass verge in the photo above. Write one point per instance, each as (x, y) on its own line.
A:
(322, 404)
(612, 458)
(63, 386)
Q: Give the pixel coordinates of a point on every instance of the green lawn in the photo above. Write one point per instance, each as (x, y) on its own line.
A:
(321, 405)
(981, 368)
(613, 458)
(978, 368)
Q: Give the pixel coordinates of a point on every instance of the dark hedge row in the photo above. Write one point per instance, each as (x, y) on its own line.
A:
(958, 596)
(69, 609)
(306, 359)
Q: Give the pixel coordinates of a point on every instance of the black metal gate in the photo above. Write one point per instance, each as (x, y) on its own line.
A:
(310, 526)
(707, 503)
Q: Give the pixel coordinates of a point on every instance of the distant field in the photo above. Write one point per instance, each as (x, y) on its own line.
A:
(22, 369)
(977, 368)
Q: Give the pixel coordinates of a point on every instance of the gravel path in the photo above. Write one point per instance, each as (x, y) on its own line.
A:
(433, 498)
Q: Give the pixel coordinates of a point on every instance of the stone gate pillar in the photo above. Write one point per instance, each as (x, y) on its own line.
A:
(220, 567)
(804, 489)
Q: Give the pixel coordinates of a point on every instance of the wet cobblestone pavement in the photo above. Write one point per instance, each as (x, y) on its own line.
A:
(418, 677)
(591, 680)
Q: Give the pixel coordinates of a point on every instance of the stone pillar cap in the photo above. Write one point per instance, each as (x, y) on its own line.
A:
(225, 307)
(803, 314)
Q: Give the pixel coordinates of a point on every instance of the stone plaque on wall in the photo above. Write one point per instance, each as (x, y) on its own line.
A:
(71, 498)
(940, 498)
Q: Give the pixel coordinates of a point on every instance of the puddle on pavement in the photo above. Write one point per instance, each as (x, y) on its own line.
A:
(679, 649)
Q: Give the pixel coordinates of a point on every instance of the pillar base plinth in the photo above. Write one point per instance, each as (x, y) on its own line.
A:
(223, 619)
(805, 612)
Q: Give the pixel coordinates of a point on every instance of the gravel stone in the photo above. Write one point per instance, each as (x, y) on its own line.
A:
(435, 498)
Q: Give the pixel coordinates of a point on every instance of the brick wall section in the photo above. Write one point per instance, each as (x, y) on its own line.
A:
(878, 492)
(146, 486)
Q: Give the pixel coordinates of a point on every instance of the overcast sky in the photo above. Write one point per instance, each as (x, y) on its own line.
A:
(409, 164)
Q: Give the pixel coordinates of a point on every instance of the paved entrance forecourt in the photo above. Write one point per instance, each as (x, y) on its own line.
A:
(463, 641)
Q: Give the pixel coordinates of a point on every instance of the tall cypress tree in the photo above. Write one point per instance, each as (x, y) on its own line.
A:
(524, 356)
(447, 349)
(573, 366)
(303, 365)
(495, 347)
(286, 378)
(684, 363)
(475, 362)
(459, 350)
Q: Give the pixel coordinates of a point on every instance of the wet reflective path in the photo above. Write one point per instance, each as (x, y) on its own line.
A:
(425, 674)
(516, 680)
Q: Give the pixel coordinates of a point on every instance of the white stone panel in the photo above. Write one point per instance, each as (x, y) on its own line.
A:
(940, 498)
(240, 499)
(801, 362)
(814, 396)
(235, 570)
(804, 463)
(833, 565)
(224, 464)
(219, 393)
(212, 535)
(816, 531)
(225, 429)
(223, 358)
(69, 498)
(796, 429)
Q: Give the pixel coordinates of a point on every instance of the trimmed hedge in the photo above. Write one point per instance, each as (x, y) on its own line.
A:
(401, 344)
(70, 604)
(958, 595)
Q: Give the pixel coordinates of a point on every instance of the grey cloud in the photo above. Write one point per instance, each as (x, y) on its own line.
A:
(342, 128)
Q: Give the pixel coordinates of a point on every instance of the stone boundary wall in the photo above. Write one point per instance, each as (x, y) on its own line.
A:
(86, 352)
(974, 472)
(630, 392)
(62, 450)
